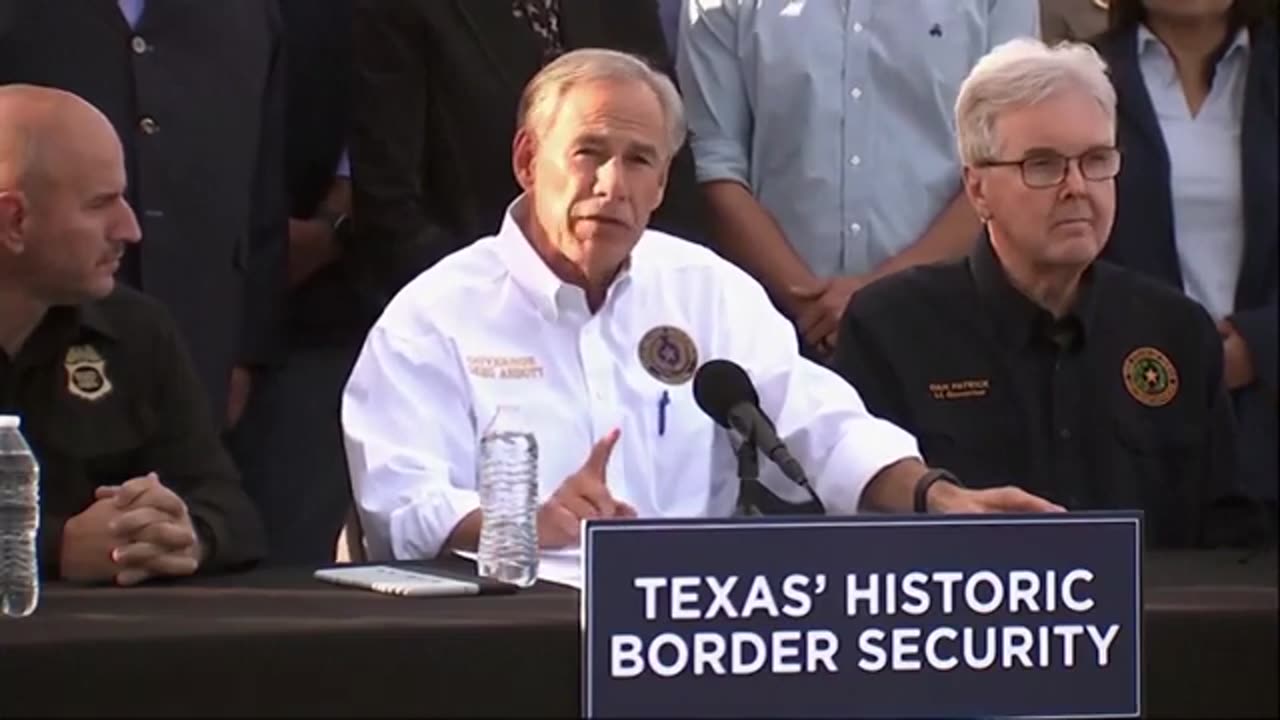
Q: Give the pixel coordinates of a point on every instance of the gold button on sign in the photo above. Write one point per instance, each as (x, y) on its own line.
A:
(149, 126)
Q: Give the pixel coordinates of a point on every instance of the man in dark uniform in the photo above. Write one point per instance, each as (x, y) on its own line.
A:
(195, 91)
(1029, 363)
(135, 483)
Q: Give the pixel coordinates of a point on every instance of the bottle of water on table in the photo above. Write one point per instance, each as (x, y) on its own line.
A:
(19, 520)
(508, 484)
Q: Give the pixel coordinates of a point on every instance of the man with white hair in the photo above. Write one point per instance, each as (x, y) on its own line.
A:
(593, 326)
(1030, 362)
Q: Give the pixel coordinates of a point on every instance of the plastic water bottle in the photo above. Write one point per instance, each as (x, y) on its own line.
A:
(508, 484)
(19, 520)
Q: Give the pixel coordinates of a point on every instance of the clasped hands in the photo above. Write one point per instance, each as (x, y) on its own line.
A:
(132, 532)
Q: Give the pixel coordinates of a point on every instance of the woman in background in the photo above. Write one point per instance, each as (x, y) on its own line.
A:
(1196, 197)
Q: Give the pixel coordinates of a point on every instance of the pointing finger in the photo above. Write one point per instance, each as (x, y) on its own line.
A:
(598, 460)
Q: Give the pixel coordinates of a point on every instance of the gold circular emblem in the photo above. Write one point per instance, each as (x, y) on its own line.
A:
(668, 353)
(1150, 377)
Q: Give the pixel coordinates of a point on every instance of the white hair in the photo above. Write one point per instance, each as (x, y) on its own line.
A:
(1019, 73)
(545, 90)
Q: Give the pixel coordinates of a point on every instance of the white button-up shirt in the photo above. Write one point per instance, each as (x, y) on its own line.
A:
(492, 326)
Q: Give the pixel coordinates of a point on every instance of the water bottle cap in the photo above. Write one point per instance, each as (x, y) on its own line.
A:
(10, 422)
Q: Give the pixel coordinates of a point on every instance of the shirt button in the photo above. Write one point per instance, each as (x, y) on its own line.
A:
(857, 27)
(1064, 433)
(139, 45)
(149, 126)
(855, 161)
(856, 228)
(856, 93)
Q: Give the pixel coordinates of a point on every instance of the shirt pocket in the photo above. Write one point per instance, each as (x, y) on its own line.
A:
(1158, 468)
(90, 452)
(981, 455)
(949, 38)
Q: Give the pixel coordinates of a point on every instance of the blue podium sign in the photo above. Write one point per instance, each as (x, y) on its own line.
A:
(870, 616)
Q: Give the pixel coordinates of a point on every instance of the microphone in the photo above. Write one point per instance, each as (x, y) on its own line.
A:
(725, 393)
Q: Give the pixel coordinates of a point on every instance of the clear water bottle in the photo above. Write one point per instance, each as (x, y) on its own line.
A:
(508, 484)
(19, 520)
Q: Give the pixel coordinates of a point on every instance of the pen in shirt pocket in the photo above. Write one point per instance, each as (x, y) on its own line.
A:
(663, 401)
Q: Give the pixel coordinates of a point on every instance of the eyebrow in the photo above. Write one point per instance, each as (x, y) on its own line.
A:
(641, 148)
(1042, 150)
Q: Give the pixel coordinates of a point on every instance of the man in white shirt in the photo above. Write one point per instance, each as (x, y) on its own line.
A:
(593, 326)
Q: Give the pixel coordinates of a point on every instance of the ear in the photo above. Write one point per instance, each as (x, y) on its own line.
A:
(976, 190)
(13, 217)
(662, 185)
(524, 149)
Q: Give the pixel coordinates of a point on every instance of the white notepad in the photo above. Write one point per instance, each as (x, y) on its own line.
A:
(397, 581)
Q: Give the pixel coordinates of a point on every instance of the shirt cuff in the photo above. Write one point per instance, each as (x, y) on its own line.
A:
(856, 459)
(420, 530)
(719, 160)
(343, 170)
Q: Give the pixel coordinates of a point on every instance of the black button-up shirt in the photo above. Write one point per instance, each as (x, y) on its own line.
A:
(1119, 404)
(107, 393)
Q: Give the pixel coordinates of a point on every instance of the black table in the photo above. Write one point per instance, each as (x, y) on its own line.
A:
(275, 642)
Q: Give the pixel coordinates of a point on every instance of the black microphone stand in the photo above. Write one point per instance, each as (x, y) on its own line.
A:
(748, 478)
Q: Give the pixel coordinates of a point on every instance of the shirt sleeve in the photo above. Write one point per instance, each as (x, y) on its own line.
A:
(714, 90)
(820, 417)
(190, 459)
(410, 442)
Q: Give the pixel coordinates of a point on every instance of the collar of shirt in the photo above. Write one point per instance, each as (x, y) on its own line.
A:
(62, 326)
(1235, 45)
(1019, 320)
(553, 297)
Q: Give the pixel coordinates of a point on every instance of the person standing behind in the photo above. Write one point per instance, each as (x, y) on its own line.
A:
(436, 88)
(1197, 87)
(194, 89)
(1075, 20)
(289, 442)
(823, 137)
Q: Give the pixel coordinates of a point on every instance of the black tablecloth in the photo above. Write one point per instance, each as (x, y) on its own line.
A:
(276, 642)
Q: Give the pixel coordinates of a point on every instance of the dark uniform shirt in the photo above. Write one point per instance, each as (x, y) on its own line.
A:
(107, 393)
(1119, 404)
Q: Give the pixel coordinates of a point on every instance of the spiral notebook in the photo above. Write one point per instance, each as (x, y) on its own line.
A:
(411, 581)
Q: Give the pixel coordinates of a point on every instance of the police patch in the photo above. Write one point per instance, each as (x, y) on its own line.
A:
(1150, 377)
(86, 373)
(668, 353)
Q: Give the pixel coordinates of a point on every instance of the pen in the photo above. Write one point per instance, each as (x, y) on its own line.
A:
(662, 413)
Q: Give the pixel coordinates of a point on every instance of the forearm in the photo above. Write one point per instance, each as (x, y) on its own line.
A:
(466, 534)
(950, 235)
(893, 488)
(747, 235)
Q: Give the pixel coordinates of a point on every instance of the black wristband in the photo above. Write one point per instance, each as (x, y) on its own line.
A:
(926, 481)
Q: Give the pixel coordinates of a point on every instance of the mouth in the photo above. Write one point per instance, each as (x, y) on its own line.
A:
(1074, 221)
(604, 220)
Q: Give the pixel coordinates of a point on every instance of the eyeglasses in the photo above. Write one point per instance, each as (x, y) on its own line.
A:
(1044, 170)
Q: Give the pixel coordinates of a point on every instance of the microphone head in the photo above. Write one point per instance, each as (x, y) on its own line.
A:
(721, 385)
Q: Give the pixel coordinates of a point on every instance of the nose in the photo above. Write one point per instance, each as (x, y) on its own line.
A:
(126, 228)
(610, 180)
(1074, 183)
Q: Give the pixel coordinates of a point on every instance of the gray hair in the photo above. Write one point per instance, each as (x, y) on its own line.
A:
(548, 87)
(1018, 73)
